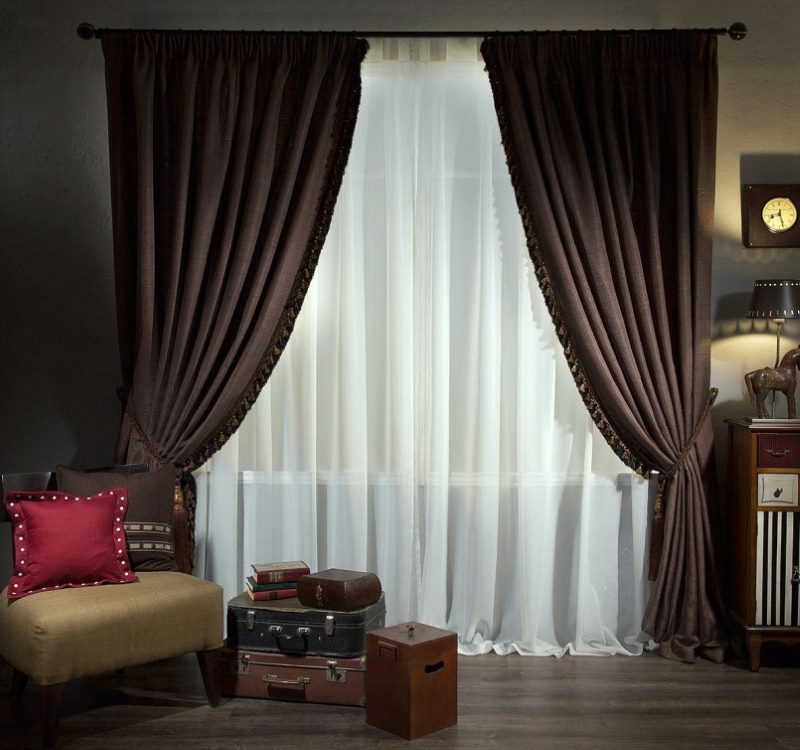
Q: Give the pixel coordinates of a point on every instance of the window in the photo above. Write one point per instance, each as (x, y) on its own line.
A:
(422, 422)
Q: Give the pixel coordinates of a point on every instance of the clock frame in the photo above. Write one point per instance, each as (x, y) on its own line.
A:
(755, 232)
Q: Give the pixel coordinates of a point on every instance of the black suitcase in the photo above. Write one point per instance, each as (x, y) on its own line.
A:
(287, 626)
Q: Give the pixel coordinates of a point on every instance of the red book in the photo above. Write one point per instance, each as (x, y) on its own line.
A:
(279, 572)
(266, 596)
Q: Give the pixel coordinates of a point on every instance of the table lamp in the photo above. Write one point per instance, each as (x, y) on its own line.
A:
(776, 299)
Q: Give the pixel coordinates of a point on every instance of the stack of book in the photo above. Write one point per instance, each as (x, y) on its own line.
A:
(276, 580)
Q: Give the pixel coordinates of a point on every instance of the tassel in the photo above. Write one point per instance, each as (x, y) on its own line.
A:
(180, 532)
(657, 530)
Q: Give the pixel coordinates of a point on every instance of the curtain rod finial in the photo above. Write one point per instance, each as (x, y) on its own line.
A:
(737, 31)
(86, 31)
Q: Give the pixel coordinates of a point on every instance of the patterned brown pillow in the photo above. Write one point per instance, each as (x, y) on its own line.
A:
(148, 525)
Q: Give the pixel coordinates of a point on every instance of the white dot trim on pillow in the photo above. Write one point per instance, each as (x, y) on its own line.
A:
(21, 539)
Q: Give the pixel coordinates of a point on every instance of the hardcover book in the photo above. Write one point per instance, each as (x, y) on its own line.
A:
(336, 589)
(278, 572)
(253, 585)
(266, 596)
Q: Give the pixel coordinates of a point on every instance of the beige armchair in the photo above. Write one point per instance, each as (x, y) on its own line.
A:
(55, 636)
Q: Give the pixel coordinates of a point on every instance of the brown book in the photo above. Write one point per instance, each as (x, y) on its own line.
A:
(341, 590)
(279, 572)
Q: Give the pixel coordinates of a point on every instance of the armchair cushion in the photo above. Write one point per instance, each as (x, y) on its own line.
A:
(65, 541)
(65, 634)
(148, 525)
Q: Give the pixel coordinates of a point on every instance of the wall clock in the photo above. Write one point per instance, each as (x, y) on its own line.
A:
(770, 215)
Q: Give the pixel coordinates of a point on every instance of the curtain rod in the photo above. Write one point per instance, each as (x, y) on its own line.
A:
(87, 31)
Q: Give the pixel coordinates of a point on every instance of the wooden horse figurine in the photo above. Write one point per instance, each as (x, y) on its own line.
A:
(781, 378)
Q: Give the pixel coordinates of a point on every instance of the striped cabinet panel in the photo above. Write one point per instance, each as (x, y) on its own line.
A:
(778, 569)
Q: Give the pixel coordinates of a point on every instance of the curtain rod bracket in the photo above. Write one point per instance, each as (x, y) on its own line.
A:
(736, 31)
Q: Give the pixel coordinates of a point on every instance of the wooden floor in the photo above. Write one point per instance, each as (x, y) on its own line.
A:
(504, 702)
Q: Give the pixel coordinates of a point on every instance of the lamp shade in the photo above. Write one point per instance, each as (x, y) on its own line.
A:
(775, 298)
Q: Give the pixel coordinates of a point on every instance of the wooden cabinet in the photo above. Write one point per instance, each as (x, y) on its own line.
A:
(764, 531)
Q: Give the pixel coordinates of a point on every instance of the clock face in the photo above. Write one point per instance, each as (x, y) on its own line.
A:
(779, 214)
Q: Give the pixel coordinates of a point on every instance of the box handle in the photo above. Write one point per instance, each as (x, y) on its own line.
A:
(430, 668)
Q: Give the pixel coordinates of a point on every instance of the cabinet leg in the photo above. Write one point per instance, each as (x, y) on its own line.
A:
(754, 651)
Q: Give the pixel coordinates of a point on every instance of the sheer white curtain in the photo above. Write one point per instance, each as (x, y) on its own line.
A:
(422, 422)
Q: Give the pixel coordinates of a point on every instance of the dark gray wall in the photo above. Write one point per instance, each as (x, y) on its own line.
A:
(59, 367)
(59, 362)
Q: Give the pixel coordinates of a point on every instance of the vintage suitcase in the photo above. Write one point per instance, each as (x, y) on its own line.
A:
(287, 626)
(310, 679)
(342, 590)
(412, 679)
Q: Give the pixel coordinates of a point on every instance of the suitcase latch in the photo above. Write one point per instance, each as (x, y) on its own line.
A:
(334, 674)
(241, 665)
(250, 618)
(330, 624)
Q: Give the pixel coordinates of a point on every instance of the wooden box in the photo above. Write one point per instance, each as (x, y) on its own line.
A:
(412, 679)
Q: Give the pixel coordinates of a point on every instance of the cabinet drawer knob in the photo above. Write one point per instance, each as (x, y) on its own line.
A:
(778, 454)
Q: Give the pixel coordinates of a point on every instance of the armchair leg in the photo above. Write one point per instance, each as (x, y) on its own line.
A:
(209, 661)
(18, 682)
(50, 709)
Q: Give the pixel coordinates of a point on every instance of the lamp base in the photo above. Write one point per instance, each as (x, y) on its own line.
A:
(778, 322)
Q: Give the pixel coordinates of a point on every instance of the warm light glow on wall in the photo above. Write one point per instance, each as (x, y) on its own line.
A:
(734, 356)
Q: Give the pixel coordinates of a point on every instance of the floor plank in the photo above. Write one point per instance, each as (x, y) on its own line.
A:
(579, 703)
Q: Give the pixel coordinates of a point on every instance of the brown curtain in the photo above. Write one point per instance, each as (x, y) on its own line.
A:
(227, 153)
(610, 139)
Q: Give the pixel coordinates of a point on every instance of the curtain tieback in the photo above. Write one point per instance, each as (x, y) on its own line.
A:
(148, 445)
(657, 533)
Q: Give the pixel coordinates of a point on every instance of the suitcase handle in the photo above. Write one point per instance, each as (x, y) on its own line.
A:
(294, 689)
(296, 642)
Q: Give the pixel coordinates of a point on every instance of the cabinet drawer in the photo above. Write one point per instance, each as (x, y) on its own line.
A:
(777, 489)
(777, 570)
(778, 451)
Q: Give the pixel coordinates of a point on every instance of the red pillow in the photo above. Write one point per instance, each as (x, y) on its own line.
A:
(66, 541)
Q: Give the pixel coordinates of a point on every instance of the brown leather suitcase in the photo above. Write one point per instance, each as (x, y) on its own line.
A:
(412, 679)
(338, 589)
(308, 679)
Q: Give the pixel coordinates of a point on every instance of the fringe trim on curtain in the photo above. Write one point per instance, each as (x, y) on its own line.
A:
(347, 117)
(590, 400)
